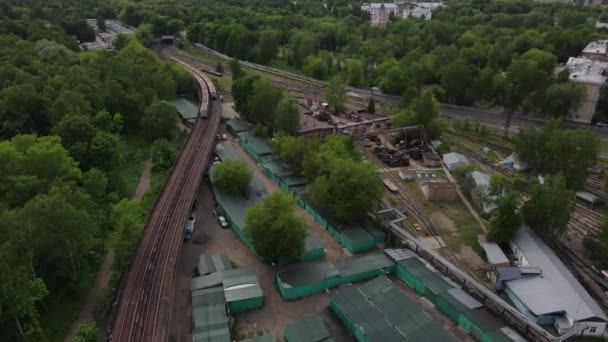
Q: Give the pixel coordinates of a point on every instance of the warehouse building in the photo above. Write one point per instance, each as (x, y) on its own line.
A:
(450, 299)
(239, 290)
(303, 280)
(209, 316)
(379, 311)
(551, 296)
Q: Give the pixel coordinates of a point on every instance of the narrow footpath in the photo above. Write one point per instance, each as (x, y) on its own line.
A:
(102, 279)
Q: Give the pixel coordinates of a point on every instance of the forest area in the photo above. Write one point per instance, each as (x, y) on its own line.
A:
(71, 154)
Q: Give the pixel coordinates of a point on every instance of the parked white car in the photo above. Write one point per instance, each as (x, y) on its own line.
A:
(222, 221)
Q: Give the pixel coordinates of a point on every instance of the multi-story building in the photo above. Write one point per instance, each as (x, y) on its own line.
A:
(590, 2)
(380, 12)
(422, 10)
(596, 50)
(591, 74)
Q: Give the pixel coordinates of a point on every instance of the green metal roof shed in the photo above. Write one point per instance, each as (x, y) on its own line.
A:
(313, 248)
(208, 264)
(217, 335)
(215, 279)
(209, 318)
(356, 239)
(207, 297)
(365, 267)
(303, 280)
(237, 125)
(243, 292)
(307, 329)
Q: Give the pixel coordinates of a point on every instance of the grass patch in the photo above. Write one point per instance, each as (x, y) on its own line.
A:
(200, 53)
(466, 226)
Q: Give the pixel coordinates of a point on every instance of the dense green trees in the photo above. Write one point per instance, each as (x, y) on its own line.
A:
(597, 246)
(274, 228)
(550, 206)
(232, 176)
(65, 118)
(339, 181)
(287, 117)
(506, 219)
(159, 121)
(553, 150)
(478, 53)
(336, 95)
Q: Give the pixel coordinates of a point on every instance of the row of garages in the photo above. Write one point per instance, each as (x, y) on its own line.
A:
(355, 238)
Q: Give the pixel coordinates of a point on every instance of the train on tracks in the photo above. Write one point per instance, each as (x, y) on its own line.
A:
(143, 301)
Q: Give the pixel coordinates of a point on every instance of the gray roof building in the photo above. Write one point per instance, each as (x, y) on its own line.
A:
(554, 295)
(494, 253)
(454, 160)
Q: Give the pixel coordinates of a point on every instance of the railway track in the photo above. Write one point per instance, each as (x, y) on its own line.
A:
(145, 296)
(482, 142)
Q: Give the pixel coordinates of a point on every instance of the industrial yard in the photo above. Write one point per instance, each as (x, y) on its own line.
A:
(423, 247)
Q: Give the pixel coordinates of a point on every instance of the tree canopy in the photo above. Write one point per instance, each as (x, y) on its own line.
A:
(232, 176)
(550, 206)
(554, 150)
(275, 229)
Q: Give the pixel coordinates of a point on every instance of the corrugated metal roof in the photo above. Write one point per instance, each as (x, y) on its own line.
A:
(556, 290)
(453, 160)
(216, 335)
(356, 234)
(400, 254)
(209, 318)
(364, 263)
(464, 298)
(206, 297)
(237, 125)
(242, 287)
(306, 273)
(494, 253)
(384, 313)
(432, 280)
(259, 145)
(213, 263)
(215, 279)
(225, 151)
(307, 329)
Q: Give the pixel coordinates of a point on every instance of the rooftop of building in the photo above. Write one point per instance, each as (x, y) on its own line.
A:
(307, 329)
(555, 290)
(377, 5)
(481, 179)
(384, 313)
(597, 47)
(587, 71)
(493, 252)
(213, 263)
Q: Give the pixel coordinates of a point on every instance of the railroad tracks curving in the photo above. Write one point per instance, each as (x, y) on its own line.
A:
(145, 296)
